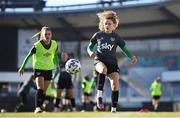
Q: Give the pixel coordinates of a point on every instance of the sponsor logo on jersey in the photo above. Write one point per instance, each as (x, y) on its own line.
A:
(105, 46)
(47, 54)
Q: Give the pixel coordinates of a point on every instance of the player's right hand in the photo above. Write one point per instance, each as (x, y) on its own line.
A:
(21, 71)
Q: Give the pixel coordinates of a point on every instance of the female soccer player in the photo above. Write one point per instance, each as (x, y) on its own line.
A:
(105, 56)
(64, 82)
(44, 60)
(87, 88)
(156, 91)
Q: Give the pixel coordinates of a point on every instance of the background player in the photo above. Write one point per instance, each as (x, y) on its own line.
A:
(87, 88)
(156, 92)
(64, 82)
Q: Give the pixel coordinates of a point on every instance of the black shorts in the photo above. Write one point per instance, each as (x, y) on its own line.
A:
(65, 81)
(111, 67)
(87, 94)
(47, 74)
(156, 97)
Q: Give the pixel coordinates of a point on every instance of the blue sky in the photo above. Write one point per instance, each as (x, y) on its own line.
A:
(70, 2)
(67, 2)
(73, 2)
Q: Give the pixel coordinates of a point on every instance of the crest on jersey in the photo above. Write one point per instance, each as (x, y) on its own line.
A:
(112, 39)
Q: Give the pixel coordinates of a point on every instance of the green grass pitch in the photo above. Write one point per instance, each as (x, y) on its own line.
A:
(92, 115)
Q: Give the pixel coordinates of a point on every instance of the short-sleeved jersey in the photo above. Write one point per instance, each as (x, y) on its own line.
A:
(62, 69)
(65, 79)
(88, 85)
(106, 46)
(156, 89)
(62, 66)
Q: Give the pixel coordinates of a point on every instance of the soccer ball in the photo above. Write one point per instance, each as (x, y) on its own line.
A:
(73, 66)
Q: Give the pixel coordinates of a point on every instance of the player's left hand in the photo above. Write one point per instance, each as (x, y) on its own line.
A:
(133, 60)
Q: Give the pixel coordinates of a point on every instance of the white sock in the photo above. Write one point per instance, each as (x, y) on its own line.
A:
(113, 109)
(99, 93)
(155, 107)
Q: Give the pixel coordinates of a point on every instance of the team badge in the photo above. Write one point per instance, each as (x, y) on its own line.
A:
(112, 39)
(99, 41)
